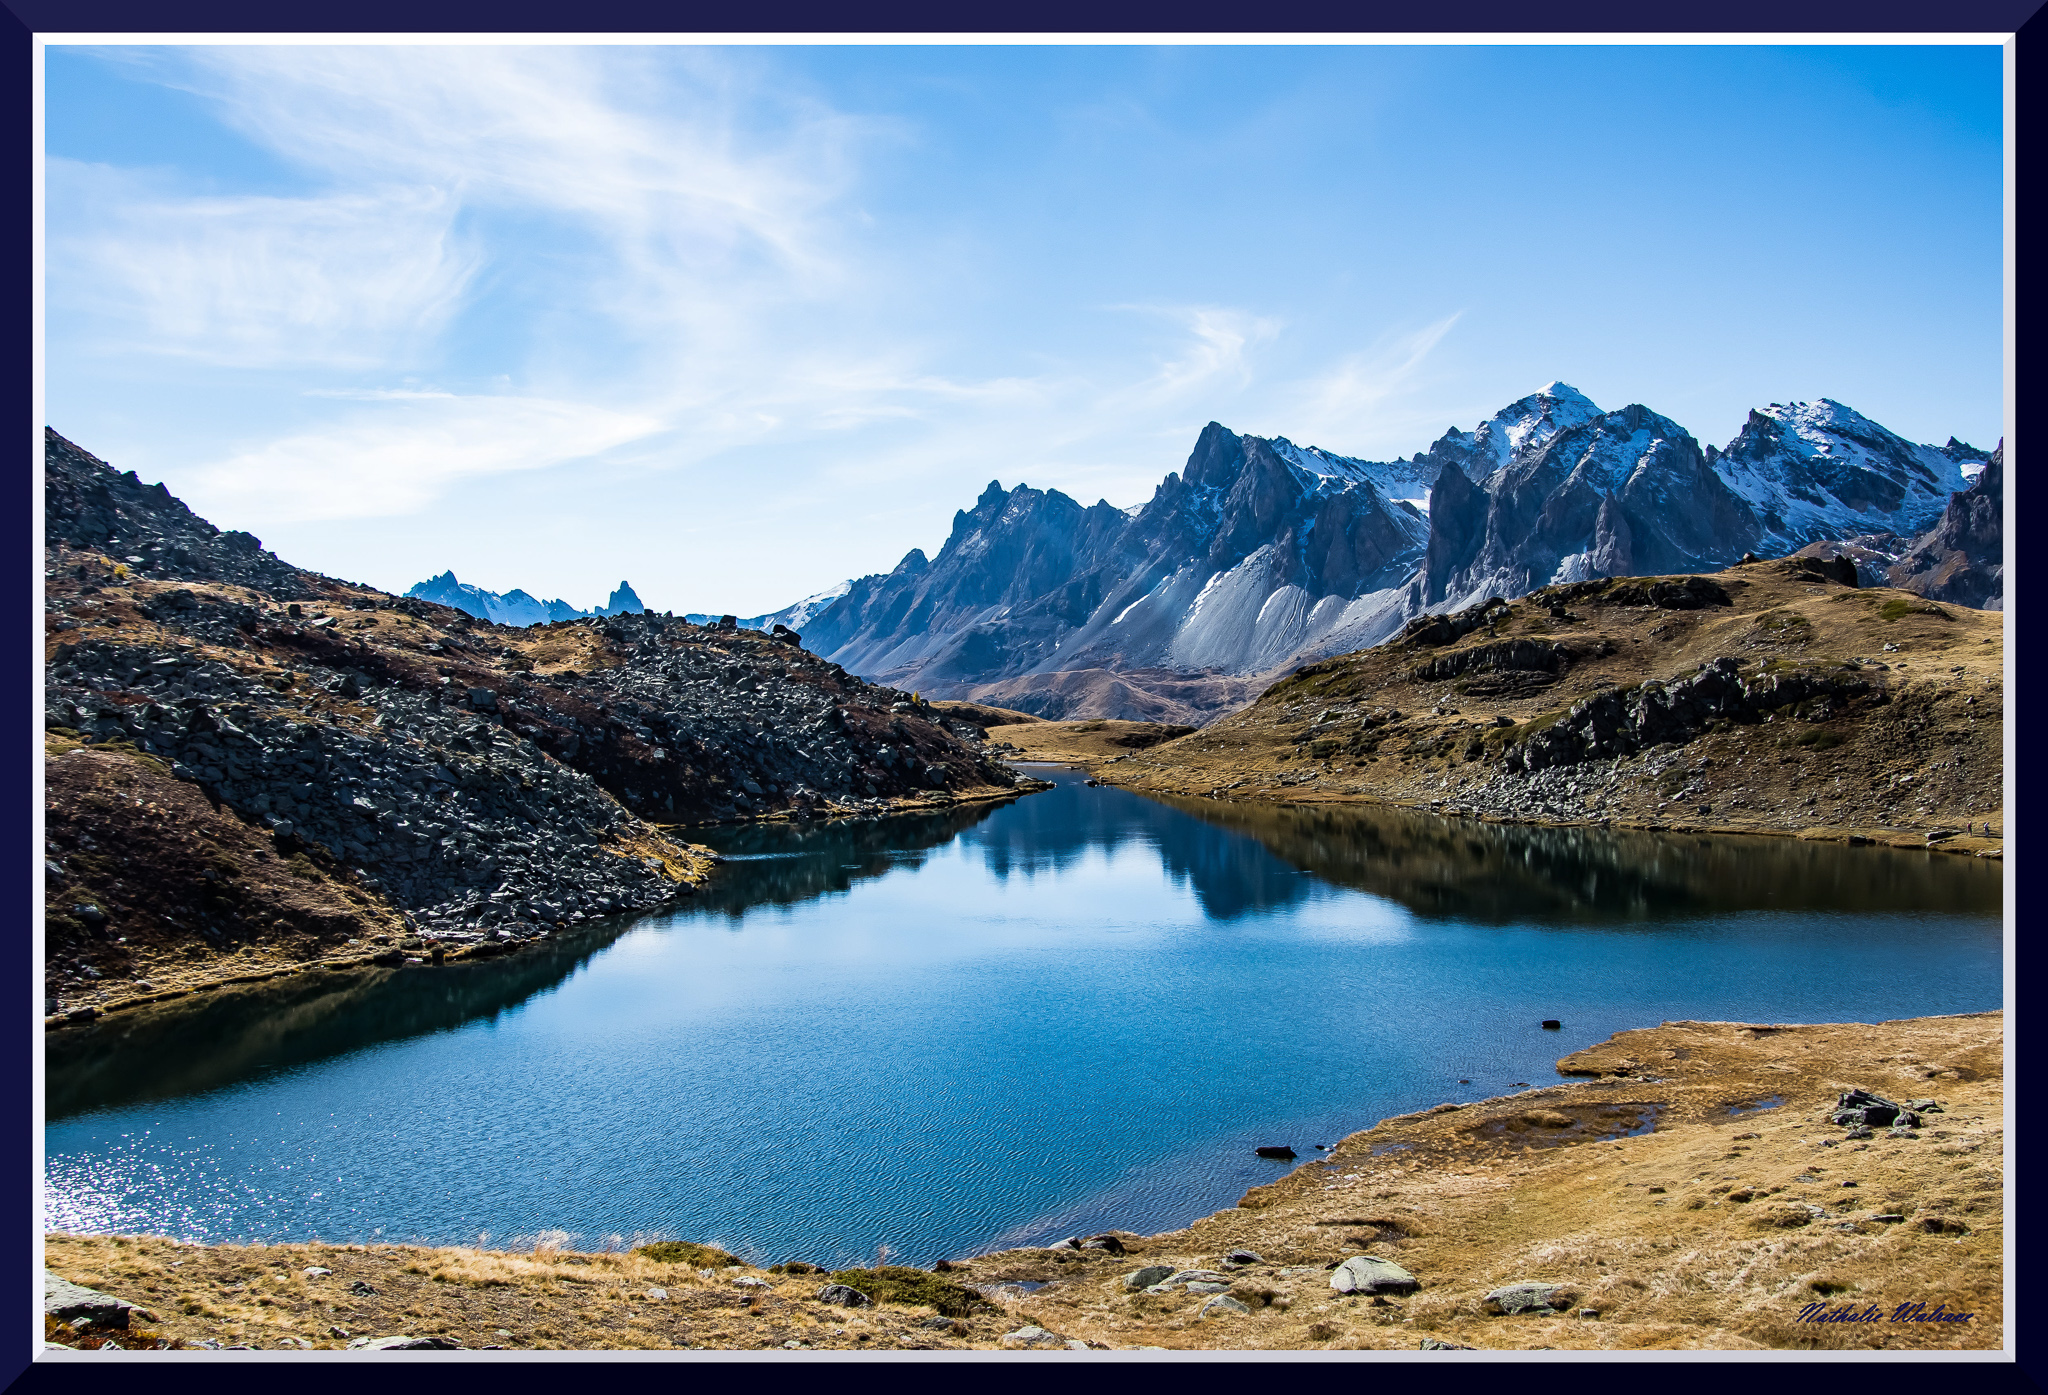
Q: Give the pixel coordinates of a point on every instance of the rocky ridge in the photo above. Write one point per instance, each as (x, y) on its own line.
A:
(250, 766)
(1261, 555)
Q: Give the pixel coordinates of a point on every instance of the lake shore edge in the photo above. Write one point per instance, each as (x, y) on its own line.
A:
(1680, 1187)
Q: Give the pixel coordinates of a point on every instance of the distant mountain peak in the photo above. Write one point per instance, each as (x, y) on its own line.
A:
(517, 606)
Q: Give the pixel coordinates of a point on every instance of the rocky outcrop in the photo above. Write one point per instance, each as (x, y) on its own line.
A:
(1962, 558)
(246, 757)
(1621, 722)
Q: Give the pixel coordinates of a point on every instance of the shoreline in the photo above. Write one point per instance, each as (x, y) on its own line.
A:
(1991, 848)
(422, 954)
(1679, 1186)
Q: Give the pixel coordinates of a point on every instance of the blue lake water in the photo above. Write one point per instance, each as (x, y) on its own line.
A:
(959, 1032)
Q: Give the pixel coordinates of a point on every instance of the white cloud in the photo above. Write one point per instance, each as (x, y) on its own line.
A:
(401, 458)
(344, 281)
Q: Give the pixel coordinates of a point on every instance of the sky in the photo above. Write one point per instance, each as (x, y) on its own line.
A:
(738, 323)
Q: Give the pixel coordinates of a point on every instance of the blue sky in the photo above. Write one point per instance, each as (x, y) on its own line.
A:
(738, 323)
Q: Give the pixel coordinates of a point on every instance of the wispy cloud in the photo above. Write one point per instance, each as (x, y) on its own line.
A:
(400, 457)
(1213, 353)
(1361, 394)
(346, 281)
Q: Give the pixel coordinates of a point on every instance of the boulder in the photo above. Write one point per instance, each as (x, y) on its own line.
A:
(1151, 1274)
(1223, 1305)
(1371, 1274)
(1432, 1344)
(1526, 1297)
(1861, 1107)
(74, 1303)
(405, 1344)
(1240, 1257)
(1274, 1150)
(844, 1296)
(1033, 1337)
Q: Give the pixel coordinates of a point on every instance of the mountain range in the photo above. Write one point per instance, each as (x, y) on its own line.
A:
(517, 607)
(1260, 555)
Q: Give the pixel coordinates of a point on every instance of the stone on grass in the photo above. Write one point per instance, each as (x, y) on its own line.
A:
(1033, 1337)
(842, 1295)
(1432, 1344)
(1151, 1274)
(1223, 1305)
(1525, 1297)
(74, 1303)
(1371, 1274)
(405, 1344)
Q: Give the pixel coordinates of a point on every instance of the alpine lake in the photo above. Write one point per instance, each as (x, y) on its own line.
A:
(960, 1032)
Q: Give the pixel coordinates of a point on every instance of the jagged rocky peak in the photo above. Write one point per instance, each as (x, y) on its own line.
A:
(623, 602)
(1585, 493)
(1962, 558)
(1813, 471)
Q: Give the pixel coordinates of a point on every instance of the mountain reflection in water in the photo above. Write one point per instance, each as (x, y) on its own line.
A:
(996, 1025)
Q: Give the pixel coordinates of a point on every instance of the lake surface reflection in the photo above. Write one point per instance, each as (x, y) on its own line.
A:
(990, 1027)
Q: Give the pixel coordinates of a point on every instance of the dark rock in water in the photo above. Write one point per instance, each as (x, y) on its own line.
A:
(843, 1296)
(1274, 1150)
(1550, 1024)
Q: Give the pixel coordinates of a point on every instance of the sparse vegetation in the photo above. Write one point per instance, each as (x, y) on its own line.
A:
(686, 1252)
(892, 1283)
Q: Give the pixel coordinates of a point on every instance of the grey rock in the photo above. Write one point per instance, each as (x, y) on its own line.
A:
(1223, 1305)
(842, 1295)
(1205, 1286)
(405, 1344)
(74, 1303)
(1151, 1274)
(1241, 1257)
(1371, 1274)
(1033, 1337)
(1526, 1297)
(1433, 1344)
